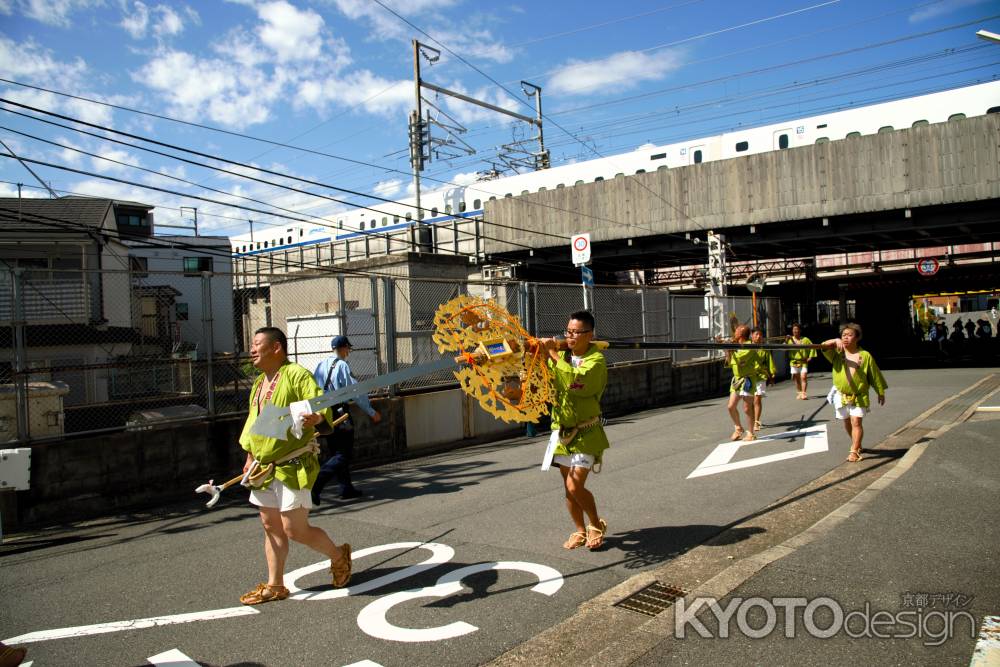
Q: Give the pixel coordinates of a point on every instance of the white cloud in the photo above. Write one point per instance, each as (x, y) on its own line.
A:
(6, 7)
(53, 12)
(379, 95)
(388, 188)
(617, 72)
(219, 90)
(103, 166)
(292, 34)
(941, 8)
(165, 20)
(474, 41)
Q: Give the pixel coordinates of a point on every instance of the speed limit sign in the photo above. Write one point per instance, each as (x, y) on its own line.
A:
(927, 266)
(580, 248)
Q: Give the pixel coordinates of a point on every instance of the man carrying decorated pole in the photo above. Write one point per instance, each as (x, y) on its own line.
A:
(280, 485)
(579, 377)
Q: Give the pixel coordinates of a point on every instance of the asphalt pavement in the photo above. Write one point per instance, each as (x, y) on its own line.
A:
(458, 556)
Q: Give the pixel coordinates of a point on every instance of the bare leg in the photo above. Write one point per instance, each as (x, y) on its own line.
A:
(798, 382)
(857, 433)
(297, 526)
(805, 383)
(748, 409)
(275, 545)
(734, 414)
(582, 499)
(758, 409)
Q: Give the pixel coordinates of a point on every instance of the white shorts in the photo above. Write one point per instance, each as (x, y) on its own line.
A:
(280, 497)
(799, 370)
(846, 411)
(575, 460)
(758, 391)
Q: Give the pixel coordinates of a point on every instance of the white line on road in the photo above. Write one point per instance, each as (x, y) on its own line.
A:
(172, 658)
(137, 624)
(814, 441)
(364, 663)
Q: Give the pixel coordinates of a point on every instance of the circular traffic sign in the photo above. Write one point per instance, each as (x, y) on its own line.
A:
(580, 243)
(928, 266)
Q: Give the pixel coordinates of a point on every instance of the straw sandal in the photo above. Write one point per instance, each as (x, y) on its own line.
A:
(575, 541)
(341, 569)
(595, 535)
(737, 433)
(855, 456)
(264, 593)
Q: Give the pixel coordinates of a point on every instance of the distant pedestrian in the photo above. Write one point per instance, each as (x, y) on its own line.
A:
(799, 361)
(744, 385)
(984, 330)
(854, 373)
(335, 373)
(970, 329)
(765, 369)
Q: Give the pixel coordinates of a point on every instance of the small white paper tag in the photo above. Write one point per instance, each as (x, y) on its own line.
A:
(299, 409)
(550, 451)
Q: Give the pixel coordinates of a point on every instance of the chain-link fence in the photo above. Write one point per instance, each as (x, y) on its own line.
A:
(84, 351)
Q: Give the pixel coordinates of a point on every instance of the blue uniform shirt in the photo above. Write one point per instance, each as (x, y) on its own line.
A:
(340, 377)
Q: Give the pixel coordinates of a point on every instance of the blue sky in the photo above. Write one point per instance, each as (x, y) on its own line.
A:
(335, 76)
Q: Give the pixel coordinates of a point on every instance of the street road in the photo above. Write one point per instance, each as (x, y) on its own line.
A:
(458, 555)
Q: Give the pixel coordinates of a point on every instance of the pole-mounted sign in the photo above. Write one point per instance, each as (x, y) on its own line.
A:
(580, 248)
(928, 266)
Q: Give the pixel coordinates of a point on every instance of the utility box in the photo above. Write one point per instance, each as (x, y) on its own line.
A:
(45, 410)
(15, 469)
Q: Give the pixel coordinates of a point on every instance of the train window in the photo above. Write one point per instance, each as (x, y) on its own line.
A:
(409, 217)
(823, 140)
(697, 157)
(477, 204)
(742, 146)
(782, 141)
(542, 189)
(461, 207)
(853, 135)
(619, 175)
(598, 179)
(301, 232)
(265, 244)
(385, 220)
(560, 186)
(640, 171)
(395, 219)
(447, 209)
(362, 225)
(820, 127)
(434, 212)
(920, 123)
(993, 110)
(885, 129)
(258, 245)
(524, 192)
(340, 224)
(421, 215)
(493, 198)
(289, 239)
(662, 167)
(508, 196)
(956, 116)
(578, 183)
(658, 156)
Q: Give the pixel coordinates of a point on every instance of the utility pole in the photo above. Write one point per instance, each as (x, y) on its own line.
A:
(714, 295)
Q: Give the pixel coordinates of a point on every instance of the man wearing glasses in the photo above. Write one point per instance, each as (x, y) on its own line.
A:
(580, 375)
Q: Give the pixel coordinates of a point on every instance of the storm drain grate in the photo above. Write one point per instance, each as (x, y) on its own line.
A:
(652, 599)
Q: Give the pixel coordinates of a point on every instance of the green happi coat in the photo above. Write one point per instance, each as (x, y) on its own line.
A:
(294, 384)
(578, 399)
(855, 388)
(746, 363)
(800, 357)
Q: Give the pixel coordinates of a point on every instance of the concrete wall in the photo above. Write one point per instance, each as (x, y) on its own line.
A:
(112, 473)
(944, 163)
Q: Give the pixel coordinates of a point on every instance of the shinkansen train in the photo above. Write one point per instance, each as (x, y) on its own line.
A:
(466, 201)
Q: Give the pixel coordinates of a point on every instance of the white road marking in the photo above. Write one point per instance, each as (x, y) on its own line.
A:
(364, 663)
(987, 651)
(172, 658)
(814, 441)
(137, 624)
(372, 619)
(440, 553)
